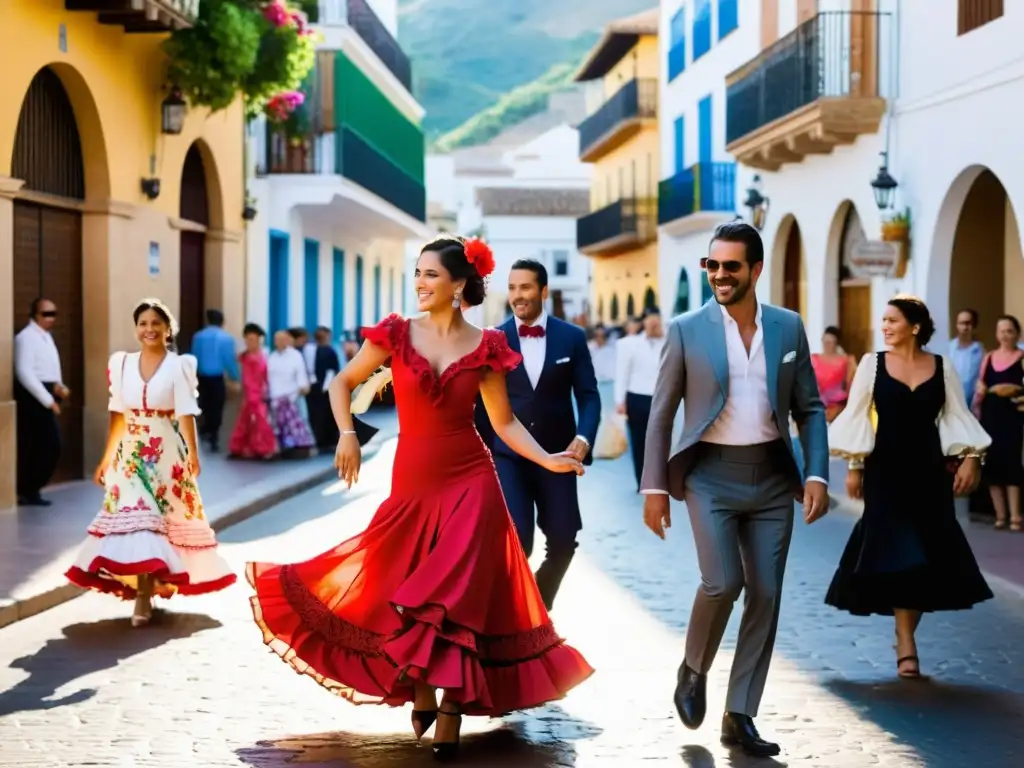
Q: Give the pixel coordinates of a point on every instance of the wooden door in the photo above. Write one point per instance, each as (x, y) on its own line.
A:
(558, 304)
(791, 270)
(855, 317)
(192, 304)
(48, 263)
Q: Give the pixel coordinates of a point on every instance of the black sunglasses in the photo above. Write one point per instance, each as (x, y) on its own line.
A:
(713, 265)
(49, 313)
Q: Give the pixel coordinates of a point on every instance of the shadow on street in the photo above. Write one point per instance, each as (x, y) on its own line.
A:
(87, 648)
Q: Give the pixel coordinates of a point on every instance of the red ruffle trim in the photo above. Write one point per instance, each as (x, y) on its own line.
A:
(392, 334)
(487, 675)
(167, 584)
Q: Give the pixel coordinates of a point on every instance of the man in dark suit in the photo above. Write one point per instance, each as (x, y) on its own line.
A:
(556, 367)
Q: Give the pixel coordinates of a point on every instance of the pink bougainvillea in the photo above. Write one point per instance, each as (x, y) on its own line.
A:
(281, 106)
(277, 13)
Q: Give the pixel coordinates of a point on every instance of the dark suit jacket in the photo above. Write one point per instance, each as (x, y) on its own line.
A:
(547, 411)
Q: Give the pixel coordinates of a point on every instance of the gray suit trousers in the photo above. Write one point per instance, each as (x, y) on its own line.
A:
(740, 502)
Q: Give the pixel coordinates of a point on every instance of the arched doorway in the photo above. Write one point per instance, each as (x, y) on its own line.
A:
(682, 293)
(613, 313)
(194, 208)
(855, 321)
(48, 241)
(986, 257)
(650, 299)
(630, 306)
(792, 267)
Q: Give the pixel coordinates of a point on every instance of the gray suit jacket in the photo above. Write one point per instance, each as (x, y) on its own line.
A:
(695, 369)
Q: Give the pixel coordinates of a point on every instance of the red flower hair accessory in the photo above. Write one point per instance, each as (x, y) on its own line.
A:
(479, 254)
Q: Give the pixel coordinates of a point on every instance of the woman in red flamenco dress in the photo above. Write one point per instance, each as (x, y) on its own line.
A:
(436, 593)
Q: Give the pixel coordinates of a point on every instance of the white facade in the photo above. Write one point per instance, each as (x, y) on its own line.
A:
(355, 239)
(951, 100)
(546, 162)
(683, 241)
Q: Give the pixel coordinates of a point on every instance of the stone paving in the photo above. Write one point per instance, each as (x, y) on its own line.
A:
(79, 687)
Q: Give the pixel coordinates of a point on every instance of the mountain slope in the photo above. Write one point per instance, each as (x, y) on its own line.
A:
(467, 54)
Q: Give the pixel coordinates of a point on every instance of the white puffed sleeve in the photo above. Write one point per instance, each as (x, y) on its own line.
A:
(852, 434)
(115, 379)
(186, 387)
(959, 432)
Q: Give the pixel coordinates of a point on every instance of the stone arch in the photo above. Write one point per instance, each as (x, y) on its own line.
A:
(215, 208)
(848, 301)
(90, 128)
(789, 268)
(194, 211)
(976, 252)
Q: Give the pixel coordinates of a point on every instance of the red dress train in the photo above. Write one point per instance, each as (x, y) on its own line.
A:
(437, 588)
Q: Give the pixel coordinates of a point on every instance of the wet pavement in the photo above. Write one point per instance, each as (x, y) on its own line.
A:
(79, 686)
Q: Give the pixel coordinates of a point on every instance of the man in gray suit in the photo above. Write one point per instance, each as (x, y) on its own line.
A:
(741, 368)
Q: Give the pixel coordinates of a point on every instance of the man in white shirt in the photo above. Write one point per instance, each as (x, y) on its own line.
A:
(636, 371)
(741, 369)
(38, 391)
(556, 369)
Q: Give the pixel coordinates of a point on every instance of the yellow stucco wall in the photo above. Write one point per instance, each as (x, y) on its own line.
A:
(630, 170)
(115, 83)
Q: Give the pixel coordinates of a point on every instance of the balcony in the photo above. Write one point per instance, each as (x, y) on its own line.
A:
(361, 17)
(701, 197)
(140, 15)
(625, 225)
(814, 89)
(361, 163)
(619, 119)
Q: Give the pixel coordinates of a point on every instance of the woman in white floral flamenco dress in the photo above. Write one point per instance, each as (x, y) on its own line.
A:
(151, 537)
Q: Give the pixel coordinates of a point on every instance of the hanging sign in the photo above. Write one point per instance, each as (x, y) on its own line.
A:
(875, 258)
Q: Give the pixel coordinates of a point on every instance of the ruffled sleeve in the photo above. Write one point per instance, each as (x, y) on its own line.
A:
(959, 432)
(852, 434)
(186, 387)
(500, 356)
(115, 379)
(386, 334)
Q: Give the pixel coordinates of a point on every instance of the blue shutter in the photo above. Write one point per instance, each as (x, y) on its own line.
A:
(705, 137)
(679, 137)
(701, 28)
(277, 300)
(376, 293)
(359, 295)
(311, 284)
(338, 293)
(728, 17)
(677, 45)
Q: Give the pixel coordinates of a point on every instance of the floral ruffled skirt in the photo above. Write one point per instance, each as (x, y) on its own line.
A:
(152, 521)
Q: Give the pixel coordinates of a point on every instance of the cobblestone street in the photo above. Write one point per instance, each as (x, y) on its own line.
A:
(79, 686)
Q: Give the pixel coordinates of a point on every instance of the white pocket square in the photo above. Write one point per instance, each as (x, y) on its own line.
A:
(563, 360)
(789, 357)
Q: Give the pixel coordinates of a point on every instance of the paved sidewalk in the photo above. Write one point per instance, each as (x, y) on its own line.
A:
(37, 543)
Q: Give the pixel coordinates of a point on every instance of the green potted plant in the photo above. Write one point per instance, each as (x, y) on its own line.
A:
(897, 228)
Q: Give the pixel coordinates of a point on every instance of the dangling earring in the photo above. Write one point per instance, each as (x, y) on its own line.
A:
(456, 302)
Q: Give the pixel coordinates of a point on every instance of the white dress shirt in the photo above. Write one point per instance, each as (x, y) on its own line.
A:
(637, 359)
(747, 418)
(286, 374)
(534, 352)
(36, 360)
(604, 360)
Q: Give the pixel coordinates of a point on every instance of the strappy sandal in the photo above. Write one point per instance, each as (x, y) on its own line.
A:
(908, 674)
(447, 751)
(1000, 525)
(1016, 526)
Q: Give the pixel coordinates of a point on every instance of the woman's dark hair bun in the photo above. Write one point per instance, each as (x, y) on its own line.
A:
(451, 249)
(916, 312)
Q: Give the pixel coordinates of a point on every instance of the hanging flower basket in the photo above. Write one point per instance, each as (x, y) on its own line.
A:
(256, 49)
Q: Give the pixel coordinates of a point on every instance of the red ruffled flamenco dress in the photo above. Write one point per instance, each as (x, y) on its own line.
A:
(437, 588)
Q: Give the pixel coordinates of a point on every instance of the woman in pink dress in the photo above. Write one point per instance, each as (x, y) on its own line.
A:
(253, 437)
(834, 370)
(151, 537)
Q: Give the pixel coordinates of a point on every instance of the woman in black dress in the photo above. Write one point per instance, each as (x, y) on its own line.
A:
(1002, 376)
(912, 446)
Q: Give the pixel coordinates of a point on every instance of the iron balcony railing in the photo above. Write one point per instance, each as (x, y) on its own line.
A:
(835, 54)
(361, 163)
(286, 155)
(365, 22)
(701, 187)
(636, 99)
(629, 218)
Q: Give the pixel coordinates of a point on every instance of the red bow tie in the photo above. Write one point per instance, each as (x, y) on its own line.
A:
(531, 331)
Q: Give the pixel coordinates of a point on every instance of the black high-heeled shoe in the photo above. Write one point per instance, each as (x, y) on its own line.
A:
(447, 751)
(422, 719)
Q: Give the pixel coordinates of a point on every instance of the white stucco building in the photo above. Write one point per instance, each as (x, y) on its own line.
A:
(524, 199)
(932, 86)
(701, 184)
(337, 204)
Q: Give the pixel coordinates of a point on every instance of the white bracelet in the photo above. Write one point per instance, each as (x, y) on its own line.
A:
(348, 432)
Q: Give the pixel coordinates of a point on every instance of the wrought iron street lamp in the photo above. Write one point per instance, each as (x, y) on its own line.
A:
(884, 185)
(757, 204)
(172, 113)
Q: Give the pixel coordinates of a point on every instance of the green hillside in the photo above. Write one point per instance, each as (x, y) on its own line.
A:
(468, 54)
